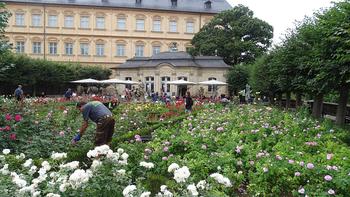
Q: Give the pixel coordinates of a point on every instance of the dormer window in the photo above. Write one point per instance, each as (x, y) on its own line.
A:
(104, 1)
(138, 1)
(173, 3)
(207, 5)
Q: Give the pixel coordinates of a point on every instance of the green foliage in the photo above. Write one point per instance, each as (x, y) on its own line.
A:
(237, 78)
(42, 75)
(4, 17)
(236, 35)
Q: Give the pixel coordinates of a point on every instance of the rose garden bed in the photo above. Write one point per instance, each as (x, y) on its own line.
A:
(235, 150)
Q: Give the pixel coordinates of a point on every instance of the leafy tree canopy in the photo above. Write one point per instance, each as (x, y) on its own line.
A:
(236, 35)
(4, 16)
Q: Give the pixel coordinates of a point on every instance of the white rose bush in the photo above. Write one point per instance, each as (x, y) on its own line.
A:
(159, 150)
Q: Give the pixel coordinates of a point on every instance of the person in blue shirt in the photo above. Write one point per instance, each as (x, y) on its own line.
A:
(19, 93)
(68, 94)
(102, 116)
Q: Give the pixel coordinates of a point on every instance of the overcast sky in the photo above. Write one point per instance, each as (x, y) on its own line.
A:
(281, 14)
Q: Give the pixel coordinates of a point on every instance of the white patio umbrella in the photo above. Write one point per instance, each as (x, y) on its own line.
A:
(118, 81)
(212, 82)
(89, 80)
(181, 82)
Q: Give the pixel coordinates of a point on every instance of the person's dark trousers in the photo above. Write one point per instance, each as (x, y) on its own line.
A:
(104, 131)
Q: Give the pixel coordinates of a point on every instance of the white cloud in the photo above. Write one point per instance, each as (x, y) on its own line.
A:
(282, 14)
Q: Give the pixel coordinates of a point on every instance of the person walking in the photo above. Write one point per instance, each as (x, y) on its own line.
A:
(68, 95)
(188, 102)
(19, 93)
(102, 116)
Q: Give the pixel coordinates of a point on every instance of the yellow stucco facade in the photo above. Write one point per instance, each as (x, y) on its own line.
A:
(98, 35)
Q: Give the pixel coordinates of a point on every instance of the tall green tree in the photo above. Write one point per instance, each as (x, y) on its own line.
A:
(335, 28)
(237, 77)
(4, 16)
(236, 35)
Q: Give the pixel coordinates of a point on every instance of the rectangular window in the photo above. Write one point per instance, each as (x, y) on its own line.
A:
(84, 49)
(84, 22)
(53, 48)
(19, 19)
(100, 49)
(173, 26)
(140, 24)
(36, 20)
(121, 23)
(52, 21)
(100, 22)
(68, 48)
(212, 88)
(155, 50)
(69, 21)
(156, 25)
(149, 84)
(36, 47)
(20, 47)
(139, 50)
(120, 50)
(165, 87)
(190, 27)
(128, 85)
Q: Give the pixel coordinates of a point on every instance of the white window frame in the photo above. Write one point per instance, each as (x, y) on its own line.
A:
(212, 88)
(69, 21)
(68, 48)
(53, 48)
(36, 20)
(36, 47)
(20, 19)
(84, 22)
(140, 24)
(121, 23)
(165, 87)
(155, 49)
(52, 21)
(189, 28)
(84, 49)
(120, 50)
(157, 25)
(173, 26)
(100, 22)
(20, 46)
(149, 83)
(100, 49)
(139, 50)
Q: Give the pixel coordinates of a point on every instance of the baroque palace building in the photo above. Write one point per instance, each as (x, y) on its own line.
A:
(117, 34)
(105, 32)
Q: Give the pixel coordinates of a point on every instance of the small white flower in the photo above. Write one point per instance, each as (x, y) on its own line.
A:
(6, 151)
(53, 195)
(193, 190)
(181, 174)
(173, 166)
(71, 165)
(28, 163)
(128, 189)
(120, 150)
(35, 194)
(4, 170)
(301, 190)
(202, 184)
(58, 156)
(221, 179)
(46, 165)
(147, 165)
(95, 164)
(145, 194)
(121, 172)
(78, 178)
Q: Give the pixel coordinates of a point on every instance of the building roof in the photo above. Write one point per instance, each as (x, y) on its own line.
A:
(182, 5)
(176, 59)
